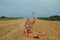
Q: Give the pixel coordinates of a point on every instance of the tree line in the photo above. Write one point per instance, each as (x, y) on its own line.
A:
(4, 17)
(51, 18)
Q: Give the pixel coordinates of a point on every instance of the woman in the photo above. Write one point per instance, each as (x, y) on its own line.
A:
(28, 25)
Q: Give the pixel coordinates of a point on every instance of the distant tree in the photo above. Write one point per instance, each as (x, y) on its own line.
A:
(38, 17)
(21, 17)
(3, 17)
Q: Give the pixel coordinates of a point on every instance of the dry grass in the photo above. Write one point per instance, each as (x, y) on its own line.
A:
(8, 25)
(51, 28)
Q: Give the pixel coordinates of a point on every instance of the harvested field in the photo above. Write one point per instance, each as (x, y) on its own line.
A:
(13, 29)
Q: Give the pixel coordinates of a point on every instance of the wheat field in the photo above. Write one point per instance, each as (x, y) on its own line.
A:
(13, 29)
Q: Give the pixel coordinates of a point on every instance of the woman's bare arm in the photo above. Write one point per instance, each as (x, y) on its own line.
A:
(34, 18)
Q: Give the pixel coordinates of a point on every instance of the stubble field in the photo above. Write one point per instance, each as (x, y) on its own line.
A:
(13, 29)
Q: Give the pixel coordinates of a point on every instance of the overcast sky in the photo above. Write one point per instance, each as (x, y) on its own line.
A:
(24, 8)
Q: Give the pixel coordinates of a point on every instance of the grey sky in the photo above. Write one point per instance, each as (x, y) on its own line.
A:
(24, 8)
